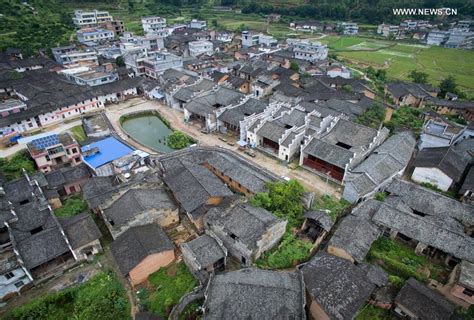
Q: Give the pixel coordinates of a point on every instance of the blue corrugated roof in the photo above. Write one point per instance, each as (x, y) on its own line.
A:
(110, 149)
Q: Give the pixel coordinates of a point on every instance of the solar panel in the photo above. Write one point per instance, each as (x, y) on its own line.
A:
(45, 142)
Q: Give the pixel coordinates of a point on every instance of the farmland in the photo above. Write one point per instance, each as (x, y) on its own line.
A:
(400, 58)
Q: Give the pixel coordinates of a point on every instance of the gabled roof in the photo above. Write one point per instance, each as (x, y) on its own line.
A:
(136, 201)
(207, 104)
(446, 159)
(235, 115)
(246, 222)
(255, 294)
(205, 250)
(339, 287)
(321, 217)
(80, 229)
(62, 176)
(423, 302)
(192, 184)
(137, 243)
(389, 158)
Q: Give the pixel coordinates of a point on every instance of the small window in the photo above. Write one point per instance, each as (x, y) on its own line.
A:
(233, 236)
(468, 292)
(9, 275)
(19, 284)
(36, 230)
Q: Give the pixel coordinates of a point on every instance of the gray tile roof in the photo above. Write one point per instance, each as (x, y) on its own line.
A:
(468, 184)
(446, 159)
(235, 115)
(431, 202)
(62, 176)
(321, 217)
(441, 233)
(246, 222)
(340, 287)
(253, 294)
(389, 158)
(356, 232)
(137, 243)
(328, 152)
(80, 229)
(423, 302)
(43, 246)
(205, 250)
(208, 103)
(193, 184)
(136, 201)
(272, 131)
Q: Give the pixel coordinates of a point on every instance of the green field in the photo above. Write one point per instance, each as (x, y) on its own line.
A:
(400, 58)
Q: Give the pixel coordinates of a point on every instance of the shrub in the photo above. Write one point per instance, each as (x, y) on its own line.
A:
(71, 207)
(12, 168)
(335, 206)
(289, 253)
(178, 140)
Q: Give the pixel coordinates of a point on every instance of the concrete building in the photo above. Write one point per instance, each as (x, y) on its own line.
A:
(349, 28)
(88, 35)
(70, 55)
(158, 63)
(153, 24)
(197, 48)
(54, 151)
(250, 39)
(437, 37)
(198, 24)
(90, 18)
(387, 29)
(308, 50)
(86, 76)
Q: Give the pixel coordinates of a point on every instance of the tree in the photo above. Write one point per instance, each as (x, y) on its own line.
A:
(447, 85)
(284, 200)
(418, 76)
(178, 140)
(214, 23)
(294, 66)
(119, 61)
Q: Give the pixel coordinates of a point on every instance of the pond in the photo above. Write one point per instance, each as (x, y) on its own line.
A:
(149, 130)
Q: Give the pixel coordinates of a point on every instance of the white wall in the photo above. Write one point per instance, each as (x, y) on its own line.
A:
(433, 176)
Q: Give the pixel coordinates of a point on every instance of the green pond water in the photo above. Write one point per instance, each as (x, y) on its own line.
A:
(150, 131)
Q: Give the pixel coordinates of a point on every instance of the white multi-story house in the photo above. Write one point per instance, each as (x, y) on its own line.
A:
(70, 55)
(224, 36)
(198, 24)
(153, 24)
(437, 37)
(86, 76)
(90, 18)
(158, 63)
(387, 29)
(94, 35)
(249, 39)
(349, 28)
(197, 48)
(308, 50)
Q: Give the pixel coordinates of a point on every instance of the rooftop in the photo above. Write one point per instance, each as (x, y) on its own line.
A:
(104, 151)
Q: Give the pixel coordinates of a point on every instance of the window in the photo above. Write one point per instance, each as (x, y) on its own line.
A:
(468, 292)
(19, 284)
(9, 275)
(343, 145)
(36, 230)
(233, 236)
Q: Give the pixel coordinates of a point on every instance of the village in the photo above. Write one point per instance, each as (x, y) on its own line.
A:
(216, 174)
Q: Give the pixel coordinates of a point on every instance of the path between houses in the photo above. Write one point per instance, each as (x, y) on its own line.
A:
(311, 181)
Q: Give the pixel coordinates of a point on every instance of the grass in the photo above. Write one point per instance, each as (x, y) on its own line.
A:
(400, 58)
(169, 284)
(289, 253)
(401, 261)
(12, 167)
(370, 312)
(79, 133)
(406, 118)
(333, 205)
(102, 297)
(71, 207)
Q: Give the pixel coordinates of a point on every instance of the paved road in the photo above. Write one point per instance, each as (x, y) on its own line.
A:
(4, 153)
(175, 117)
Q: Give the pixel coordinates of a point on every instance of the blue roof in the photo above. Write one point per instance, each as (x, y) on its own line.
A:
(109, 149)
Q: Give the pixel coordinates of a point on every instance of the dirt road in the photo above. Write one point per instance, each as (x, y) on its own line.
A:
(311, 181)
